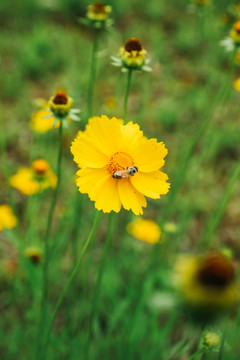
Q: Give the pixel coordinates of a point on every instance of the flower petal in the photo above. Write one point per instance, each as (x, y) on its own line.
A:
(149, 155)
(107, 198)
(88, 178)
(131, 137)
(151, 184)
(130, 197)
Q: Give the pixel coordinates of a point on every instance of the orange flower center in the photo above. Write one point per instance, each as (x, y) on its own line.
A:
(40, 167)
(237, 27)
(216, 271)
(98, 8)
(133, 44)
(120, 161)
(60, 98)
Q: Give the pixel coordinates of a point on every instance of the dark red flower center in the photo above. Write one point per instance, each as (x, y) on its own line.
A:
(98, 7)
(216, 271)
(133, 44)
(60, 98)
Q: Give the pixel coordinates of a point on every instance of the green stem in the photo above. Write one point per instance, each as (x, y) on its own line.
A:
(92, 73)
(96, 294)
(129, 77)
(46, 243)
(5, 165)
(180, 176)
(214, 221)
(70, 279)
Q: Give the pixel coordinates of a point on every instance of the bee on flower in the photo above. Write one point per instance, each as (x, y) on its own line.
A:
(118, 165)
(60, 108)
(207, 283)
(132, 56)
(34, 180)
(98, 16)
(7, 218)
(145, 230)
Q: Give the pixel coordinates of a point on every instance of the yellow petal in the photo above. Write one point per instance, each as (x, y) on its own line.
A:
(130, 197)
(151, 184)
(107, 198)
(148, 157)
(86, 154)
(88, 178)
(131, 137)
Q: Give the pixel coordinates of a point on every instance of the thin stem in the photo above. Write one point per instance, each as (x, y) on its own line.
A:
(92, 73)
(180, 176)
(99, 281)
(127, 94)
(5, 165)
(70, 279)
(214, 221)
(46, 243)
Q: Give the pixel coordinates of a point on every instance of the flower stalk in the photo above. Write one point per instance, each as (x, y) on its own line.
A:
(129, 77)
(93, 69)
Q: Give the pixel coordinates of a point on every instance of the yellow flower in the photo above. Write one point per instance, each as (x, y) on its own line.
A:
(132, 54)
(119, 166)
(33, 180)
(34, 253)
(60, 104)
(98, 11)
(235, 32)
(7, 219)
(207, 281)
(236, 84)
(145, 230)
(40, 123)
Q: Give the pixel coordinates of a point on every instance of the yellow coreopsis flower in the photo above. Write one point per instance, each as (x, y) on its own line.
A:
(207, 281)
(145, 230)
(98, 11)
(132, 56)
(235, 32)
(40, 121)
(33, 180)
(118, 165)
(7, 218)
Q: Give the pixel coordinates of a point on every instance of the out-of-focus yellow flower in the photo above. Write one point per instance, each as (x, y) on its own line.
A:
(235, 32)
(34, 253)
(145, 230)
(236, 84)
(40, 123)
(207, 281)
(61, 104)
(33, 180)
(212, 340)
(132, 56)
(110, 102)
(7, 218)
(202, 2)
(98, 11)
(118, 165)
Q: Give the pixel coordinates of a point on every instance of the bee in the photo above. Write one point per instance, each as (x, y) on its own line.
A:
(125, 173)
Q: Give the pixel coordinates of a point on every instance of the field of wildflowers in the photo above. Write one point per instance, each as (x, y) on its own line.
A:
(119, 180)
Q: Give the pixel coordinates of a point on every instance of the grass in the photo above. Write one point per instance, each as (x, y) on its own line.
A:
(44, 48)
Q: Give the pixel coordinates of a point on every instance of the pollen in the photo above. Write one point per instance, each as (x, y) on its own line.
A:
(119, 161)
(60, 98)
(40, 167)
(133, 44)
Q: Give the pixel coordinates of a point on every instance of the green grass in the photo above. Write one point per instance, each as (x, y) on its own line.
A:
(43, 49)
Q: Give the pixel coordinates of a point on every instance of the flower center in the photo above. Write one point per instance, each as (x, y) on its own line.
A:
(98, 7)
(40, 167)
(237, 27)
(60, 98)
(133, 44)
(216, 271)
(119, 161)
